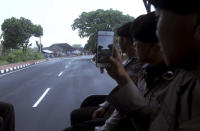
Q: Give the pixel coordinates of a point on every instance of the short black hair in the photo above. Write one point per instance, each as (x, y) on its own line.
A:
(178, 6)
(143, 28)
(124, 31)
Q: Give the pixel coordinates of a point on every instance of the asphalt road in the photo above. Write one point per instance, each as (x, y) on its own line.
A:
(45, 94)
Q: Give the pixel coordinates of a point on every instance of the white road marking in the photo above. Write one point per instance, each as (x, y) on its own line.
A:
(39, 100)
(68, 65)
(60, 74)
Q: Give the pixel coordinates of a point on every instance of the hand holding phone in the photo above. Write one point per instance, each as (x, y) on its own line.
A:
(117, 70)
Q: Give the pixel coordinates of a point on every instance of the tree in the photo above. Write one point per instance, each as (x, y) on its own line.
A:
(89, 23)
(38, 31)
(77, 45)
(91, 43)
(17, 33)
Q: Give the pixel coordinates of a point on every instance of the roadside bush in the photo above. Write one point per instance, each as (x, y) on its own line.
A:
(20, 56)
(3, 61)
(38, 56)
(11, 58)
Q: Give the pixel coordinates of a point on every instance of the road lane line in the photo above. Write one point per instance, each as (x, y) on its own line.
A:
(60, 74)
(66, 66)
(39, 100)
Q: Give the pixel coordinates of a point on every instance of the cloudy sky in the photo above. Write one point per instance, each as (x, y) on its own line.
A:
(57, 16)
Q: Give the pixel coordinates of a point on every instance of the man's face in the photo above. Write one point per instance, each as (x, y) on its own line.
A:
(124, 43)
(142, 50)
(176, 37)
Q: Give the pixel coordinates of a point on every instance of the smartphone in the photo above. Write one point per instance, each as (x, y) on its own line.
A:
(105, 46)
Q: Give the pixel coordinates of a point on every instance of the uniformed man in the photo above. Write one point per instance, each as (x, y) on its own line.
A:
(179, 34)
(7, 117)
(152, 106)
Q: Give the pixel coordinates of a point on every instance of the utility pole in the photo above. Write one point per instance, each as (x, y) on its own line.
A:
(40, 45)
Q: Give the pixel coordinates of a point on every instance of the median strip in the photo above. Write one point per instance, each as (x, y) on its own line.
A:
(40, 99)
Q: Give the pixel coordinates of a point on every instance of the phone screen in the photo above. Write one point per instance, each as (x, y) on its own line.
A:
(104, 48)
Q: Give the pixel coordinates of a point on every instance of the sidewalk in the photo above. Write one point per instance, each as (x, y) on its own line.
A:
(20, 65)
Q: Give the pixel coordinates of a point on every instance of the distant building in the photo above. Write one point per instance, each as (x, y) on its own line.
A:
(58, 49)
(62, 47)
(49, 52)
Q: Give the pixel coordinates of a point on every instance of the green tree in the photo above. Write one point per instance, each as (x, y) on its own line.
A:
(91, 43)
(17, 32)
(77, 45)
(89, 23)
(37, 31)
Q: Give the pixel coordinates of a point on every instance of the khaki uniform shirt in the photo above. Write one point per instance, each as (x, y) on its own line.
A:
(133, 67)
(169, 103)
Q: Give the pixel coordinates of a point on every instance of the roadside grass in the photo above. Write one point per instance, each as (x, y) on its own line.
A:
(3, 62)
(19, 56)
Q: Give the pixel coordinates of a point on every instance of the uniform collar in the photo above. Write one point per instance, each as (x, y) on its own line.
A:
(151, 73)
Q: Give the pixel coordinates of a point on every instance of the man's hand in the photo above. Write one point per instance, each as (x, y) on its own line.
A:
(98, 113)
(117, 71)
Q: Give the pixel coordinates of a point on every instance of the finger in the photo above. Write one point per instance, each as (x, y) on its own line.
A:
(112, 60)
(117, 54)
(94, 115)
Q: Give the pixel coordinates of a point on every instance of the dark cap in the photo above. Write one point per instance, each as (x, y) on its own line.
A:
(178, 6)
(144, 28)
(124, 30)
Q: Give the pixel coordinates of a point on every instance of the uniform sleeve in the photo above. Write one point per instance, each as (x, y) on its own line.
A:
(112, 122)
(127, 98)
(130, 101)
(190, 125)
(193, 124)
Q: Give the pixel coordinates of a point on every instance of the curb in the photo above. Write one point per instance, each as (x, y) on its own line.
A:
(7, 70)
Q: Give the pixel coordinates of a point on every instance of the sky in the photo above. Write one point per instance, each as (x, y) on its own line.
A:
(57, 16)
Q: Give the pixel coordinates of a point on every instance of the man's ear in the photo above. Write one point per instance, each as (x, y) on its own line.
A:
(197, 33)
